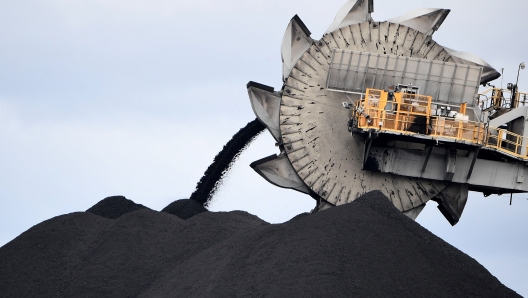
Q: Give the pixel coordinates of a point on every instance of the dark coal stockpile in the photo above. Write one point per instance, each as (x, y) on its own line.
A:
(363, 249)
(184, 208)
(114, 207)
(223, 161)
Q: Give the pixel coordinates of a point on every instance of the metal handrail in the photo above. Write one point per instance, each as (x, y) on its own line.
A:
(467, 131)
(496, 100)
(507, 142)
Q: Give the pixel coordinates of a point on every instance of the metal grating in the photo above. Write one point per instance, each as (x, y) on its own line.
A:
(453, 83)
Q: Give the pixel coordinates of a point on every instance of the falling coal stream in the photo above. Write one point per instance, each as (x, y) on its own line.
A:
(223, 161)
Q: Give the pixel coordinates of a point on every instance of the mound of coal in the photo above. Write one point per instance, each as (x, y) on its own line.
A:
(84, 255)
(366, 248)
(114, 207)
(184, 208)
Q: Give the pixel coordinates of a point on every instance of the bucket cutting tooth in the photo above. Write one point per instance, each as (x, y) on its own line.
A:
(295, 42)
(266, 106)
(451, 198)
(451, 201)
(425, 20)
(353, 12)
(278, 170)
(428, 21)
(488, 72)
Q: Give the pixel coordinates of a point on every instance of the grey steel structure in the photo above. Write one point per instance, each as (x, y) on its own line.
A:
(448, 82)
(319, 156)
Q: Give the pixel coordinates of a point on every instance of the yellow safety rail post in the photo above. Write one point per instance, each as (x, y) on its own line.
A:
(398, 100)
(517, 144)
(478, 133)
(519, 102)
(476, 130)
(500, 137)
(382, 120)
(463, 108)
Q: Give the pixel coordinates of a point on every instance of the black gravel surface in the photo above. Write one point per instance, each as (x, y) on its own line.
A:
(223, 161)
(363, 249)
(114, 207)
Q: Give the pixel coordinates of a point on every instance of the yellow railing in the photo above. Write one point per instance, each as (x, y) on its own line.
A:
(410, 114)
(507, 142)
(494, 100)
(381, 119)
(404, 123)
(404, 112)
(501, 98)
(468, 131)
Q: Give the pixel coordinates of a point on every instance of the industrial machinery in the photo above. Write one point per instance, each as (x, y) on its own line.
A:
(382, 106)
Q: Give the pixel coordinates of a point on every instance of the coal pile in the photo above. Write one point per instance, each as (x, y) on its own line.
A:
(185, 208)
(114, 207)
(366, 248)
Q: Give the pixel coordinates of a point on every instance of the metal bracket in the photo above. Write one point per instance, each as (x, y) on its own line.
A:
(520, 174)
(451, 155)
(429, 150)
(366, 152)
(368, 145)
(473, 163)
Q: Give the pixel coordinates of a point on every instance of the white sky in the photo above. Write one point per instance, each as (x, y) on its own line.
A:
(136, 97)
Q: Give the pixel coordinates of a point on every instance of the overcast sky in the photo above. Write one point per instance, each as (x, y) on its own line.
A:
(135, 98)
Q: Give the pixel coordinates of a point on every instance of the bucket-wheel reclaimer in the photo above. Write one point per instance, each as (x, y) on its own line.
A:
(382, 106)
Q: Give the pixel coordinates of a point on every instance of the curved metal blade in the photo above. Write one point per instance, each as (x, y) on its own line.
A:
(451, 201)
(295, 42)
(266, 106)
(425, 20)
(488, 72)
(278, 170)
(353, 12)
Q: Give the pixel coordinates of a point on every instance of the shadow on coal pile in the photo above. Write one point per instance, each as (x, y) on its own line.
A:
(184, 208)
(366, 248)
